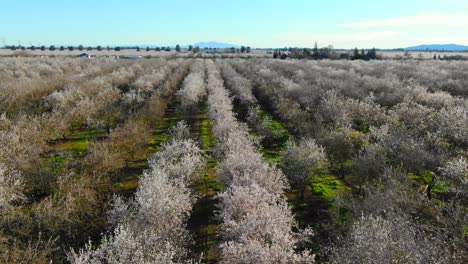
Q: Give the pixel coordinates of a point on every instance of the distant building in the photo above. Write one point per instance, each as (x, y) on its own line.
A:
(84, 55)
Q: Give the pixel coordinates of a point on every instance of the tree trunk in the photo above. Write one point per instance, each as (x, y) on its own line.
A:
(342, 171)
(428, 191)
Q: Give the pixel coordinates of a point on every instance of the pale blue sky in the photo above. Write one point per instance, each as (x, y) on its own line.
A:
(343, 24)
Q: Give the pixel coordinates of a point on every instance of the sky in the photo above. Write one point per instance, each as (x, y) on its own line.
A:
(256, 23)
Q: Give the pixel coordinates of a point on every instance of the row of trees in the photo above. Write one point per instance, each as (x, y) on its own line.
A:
(109, 48)
(63, 48)
(324, 53)
(141, 233)
(389, 139)
(300, 160)
(364, 55)
(194, 88)
(257, 221)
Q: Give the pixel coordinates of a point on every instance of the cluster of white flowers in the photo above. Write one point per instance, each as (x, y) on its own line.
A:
(26, 82)
(146, 78)
(456, 170)
(21, 142)
(194, 86)
(374, 239)
(10, 186)
(240, 86)
(147, 82)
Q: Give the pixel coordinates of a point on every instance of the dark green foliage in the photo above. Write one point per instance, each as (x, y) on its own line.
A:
(369, 55)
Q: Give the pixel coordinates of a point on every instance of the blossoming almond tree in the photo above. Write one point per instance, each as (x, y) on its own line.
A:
(151, 228)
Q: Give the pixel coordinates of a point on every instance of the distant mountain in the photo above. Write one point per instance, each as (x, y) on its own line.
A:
(214, 44)
(439, 47)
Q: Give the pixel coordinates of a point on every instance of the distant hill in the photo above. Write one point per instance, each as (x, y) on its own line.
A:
(214, 44)
(439, 47)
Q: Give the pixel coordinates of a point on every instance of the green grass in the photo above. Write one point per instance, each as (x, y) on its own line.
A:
(272, 151)
(272, 156)
(425, 177)
(89, 134)
(56, 160)
(208, 181)
(279, 130)
(158, 139)
(216, 186)
(327, 187)
(77, 146)
(78, 141)
(203, 223)
(206, 136)
(126, 185)
(161, 134)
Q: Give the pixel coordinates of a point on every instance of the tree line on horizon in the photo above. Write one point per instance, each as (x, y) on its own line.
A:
(195, 49)
(324, 53)
(98, 48)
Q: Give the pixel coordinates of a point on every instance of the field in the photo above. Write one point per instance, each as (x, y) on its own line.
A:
(233, 160)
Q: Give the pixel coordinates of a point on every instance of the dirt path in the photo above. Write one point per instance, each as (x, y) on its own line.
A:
(203, 222)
